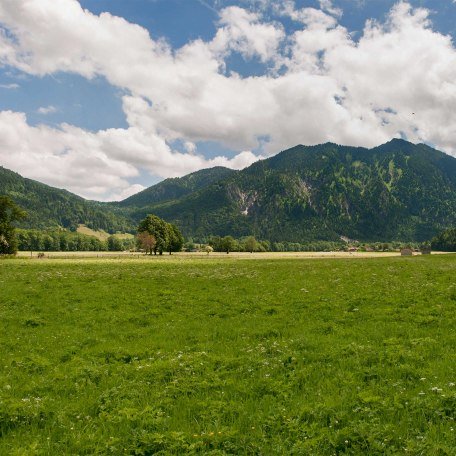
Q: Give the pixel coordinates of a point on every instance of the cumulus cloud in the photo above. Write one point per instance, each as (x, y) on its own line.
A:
(96, 165)
(66, 158)
(319, 85)
(242, 31)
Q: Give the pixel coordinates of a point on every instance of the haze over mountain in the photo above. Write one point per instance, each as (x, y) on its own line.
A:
(395, 191)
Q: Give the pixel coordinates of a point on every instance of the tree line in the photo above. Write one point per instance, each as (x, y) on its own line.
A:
(251, 244)
(156, 236)
(69, 241)
(445, 241)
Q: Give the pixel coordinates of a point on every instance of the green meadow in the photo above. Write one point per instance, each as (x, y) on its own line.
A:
(228, 356)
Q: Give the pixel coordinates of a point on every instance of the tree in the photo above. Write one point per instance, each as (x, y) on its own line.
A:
(157, 228)
(176, 240)
(114, 244)
(147, 241)
(24, 242)
(189, 246)
(208, 249)
(167, 236)
(9, 213)
(250, 244)
(445, 241)
(216, 243)
(228, 244)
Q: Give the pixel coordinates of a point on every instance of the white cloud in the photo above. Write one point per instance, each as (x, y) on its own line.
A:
(66, 158)
(129, 191)
(329, 88)
(242, 31)
(12, 86)
(190, 147)
(95, 165)
(328, 6)
(47, 110)
(311, 17)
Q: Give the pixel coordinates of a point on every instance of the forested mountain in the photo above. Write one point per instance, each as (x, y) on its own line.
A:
(49, 207)
(174, 188)
(395, 191)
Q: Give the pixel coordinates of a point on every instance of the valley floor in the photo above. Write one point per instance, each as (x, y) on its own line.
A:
(214, 255)
(221, 356)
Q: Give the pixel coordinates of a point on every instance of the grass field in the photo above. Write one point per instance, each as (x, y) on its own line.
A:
(101, 234)
(214, 255)
(228, 356)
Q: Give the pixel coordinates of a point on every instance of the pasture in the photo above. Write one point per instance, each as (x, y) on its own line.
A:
(220, 355)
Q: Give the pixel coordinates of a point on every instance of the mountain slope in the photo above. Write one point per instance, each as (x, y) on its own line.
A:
(396, 191)
(175, 188)
(49, 207)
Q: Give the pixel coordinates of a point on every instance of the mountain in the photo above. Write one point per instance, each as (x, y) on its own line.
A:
(49, 207)
(178, 187)
(395, 191)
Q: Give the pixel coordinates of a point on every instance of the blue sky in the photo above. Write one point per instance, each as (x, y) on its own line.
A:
(96, 105)
(105, 97)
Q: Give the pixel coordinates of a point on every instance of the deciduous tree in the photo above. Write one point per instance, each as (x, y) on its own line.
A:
(176, 240)
(9, 213)
(445, 241)
(167, 236)
(114, 244)
(250, 244)
(158, 228)
(147, 241)
(228, 244)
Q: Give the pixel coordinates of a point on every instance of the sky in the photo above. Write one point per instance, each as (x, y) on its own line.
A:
(107, 97)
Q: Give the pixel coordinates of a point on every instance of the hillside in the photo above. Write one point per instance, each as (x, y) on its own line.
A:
(395, 191)
(49, 207)
(178, 187)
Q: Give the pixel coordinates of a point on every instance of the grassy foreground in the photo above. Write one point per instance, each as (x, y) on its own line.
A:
(220, 356)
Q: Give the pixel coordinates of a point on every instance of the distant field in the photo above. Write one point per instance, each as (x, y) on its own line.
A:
(215, 255)
(197, 355)
(101, 234)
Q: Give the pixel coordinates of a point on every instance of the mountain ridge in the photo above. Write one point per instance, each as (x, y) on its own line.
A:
(397, 190)
(48, 207)
(176, 187)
